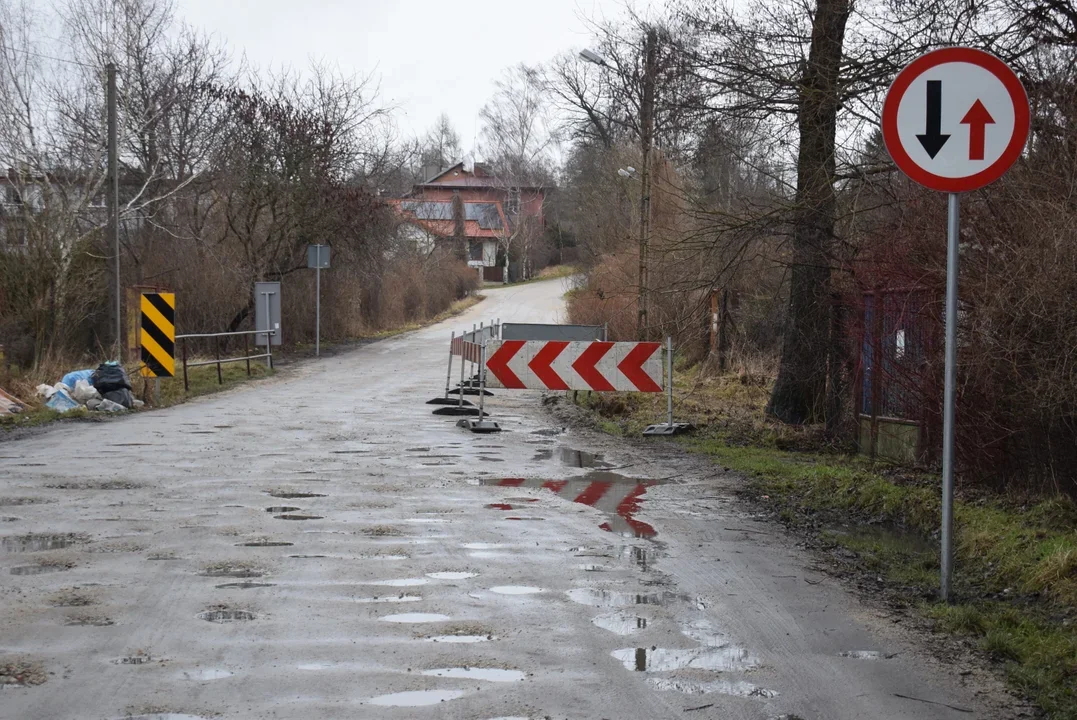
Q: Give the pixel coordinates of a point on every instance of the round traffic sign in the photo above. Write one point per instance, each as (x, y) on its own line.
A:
(955, 119)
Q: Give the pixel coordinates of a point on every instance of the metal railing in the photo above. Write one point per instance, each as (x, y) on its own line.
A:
(218, 360)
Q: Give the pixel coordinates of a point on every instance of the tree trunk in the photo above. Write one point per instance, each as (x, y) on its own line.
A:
(799, 393)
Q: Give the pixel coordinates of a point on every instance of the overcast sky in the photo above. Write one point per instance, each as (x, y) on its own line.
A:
(432, 56)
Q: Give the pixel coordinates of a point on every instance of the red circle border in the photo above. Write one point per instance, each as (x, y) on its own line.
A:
(921, 65)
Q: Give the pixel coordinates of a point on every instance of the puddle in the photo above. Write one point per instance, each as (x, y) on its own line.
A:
(485, 554)
(8, 501)
(400, 582)
(299, 517)
(417, 449)
(415, 618)
(474, 673)
(388, 599)
(281, 509)
(621, 623)
(581, 459)
(548, 432)
(265, 543)
(164, 716)
(40, 569)
(483, 546)
(862, 654)
(40, 542)
(544, 454)
(416, 698)
(737, 688)
(225, 616)
(426, 520)
(639, 556)
(515, 590)
(206, 674)
(615, 598)
(721, 659)
(499, 506)
(451, 575)
(619, 497)
(307, 557)
(462, 639)
(231, 571)
(242, 586)
(296, 495)
(521, 517)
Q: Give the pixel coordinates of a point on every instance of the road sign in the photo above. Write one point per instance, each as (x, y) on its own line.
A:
(542, 331)
(317, 257)
(562, 365)
(158, 335)
(267, 313)
(955, 119)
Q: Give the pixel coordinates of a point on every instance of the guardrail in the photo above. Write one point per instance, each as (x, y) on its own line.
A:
(218, 361)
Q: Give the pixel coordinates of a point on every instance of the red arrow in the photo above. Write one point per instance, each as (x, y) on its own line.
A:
(498, 364)
(540, 365)
(977, 118)
(632, 367)
(585, 366)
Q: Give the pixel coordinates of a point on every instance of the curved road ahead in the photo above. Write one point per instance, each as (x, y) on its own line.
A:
(433, 575)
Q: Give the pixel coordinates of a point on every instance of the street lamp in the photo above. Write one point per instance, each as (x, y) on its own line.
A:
(646, 111)
(626, 173)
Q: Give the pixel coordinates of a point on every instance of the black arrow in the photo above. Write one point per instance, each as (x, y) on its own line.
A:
(933, 139)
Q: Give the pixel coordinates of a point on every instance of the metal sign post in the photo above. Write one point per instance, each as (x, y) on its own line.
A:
(317, 258)
(954, 120)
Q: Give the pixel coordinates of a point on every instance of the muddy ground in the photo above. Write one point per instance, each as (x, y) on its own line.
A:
(319, 545)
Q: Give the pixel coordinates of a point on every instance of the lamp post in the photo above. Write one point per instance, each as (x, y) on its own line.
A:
(646, 111)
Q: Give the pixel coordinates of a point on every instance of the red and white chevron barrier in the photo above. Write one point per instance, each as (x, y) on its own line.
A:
(619, 500)
(560, 365)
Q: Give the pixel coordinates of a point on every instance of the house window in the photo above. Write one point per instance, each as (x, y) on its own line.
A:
(12, 195)
(474, 250)
(512, 206)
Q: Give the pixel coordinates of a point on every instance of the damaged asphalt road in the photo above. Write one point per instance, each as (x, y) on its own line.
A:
(318, 545)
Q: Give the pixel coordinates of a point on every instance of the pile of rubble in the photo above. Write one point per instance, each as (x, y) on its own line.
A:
(106, 389)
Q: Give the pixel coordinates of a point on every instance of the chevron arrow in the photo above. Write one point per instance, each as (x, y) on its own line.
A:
(498, 364)
(540, 365)
(585, 366)
(632, 367)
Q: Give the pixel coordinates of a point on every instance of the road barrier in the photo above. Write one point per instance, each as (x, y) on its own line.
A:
(468, 347)
(218, 360)
(158, 336)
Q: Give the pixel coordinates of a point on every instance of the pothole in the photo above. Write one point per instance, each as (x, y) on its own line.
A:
(864, 655)
(415, 618)
(401, 598)
(24, 501)
(720, 659)
(737, 688)
(477, 673)
(451, 575)
(291, 495)
(206, 674)
(232, 570)
(226, 616)
(38, 542)
(281, 509)
(614, 598)
(41, 568)
(70, 598)
(163, 716)
(22, 672)
(139, 658)
(299, 517)
(265, 543)
(242, 586)
(382, 531)
(399, 582)
(100, 485)
(581, 459)
(515, 590)
(416, 698)
(621, 623)
(89, 620)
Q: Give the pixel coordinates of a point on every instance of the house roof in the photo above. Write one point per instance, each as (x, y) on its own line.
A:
(481, 219)
(457, 177)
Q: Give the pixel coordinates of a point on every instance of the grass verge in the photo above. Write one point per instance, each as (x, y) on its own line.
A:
(1016, 560)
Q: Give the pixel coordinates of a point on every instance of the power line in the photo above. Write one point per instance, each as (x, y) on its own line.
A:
(50, 57)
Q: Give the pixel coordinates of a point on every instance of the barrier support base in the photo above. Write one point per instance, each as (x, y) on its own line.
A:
(479, 426)
(470, 391)
(457, 411)
(447, 401)
(676, 428)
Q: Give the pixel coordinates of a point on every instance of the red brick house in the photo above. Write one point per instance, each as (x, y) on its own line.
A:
(496, 214)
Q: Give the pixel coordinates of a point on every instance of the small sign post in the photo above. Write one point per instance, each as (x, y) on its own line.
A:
(954, 120)
(317, 258)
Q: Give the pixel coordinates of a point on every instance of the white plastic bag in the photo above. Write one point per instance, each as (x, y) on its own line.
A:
(84, 392)
(109, 406)
(45, 391)
(62, 402)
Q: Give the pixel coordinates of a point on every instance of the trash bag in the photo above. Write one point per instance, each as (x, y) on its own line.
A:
(73, 377)
(45, 391)
(110, 376)
(62, 402)
(84, 392)
(121, 397)
(109, 406)
(94, 403)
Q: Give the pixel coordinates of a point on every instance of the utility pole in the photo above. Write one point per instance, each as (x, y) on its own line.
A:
(112, 196)
(646, 112)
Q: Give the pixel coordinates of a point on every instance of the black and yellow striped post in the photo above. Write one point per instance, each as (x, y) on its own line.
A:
(158, 335)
